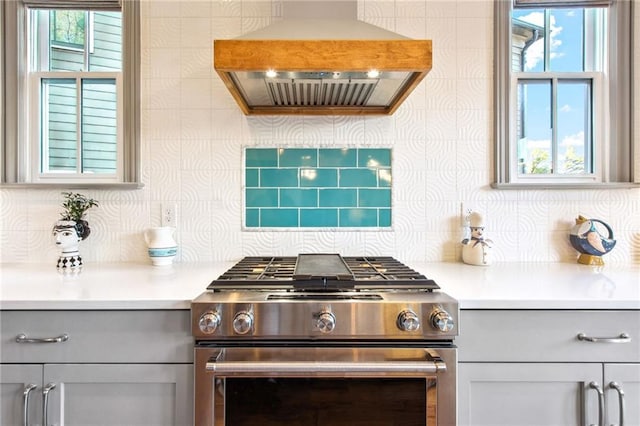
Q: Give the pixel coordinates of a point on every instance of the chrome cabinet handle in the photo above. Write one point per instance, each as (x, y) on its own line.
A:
(25, 404)
(596, 386)
(45, 403)
(618, 388)
(622, 338)
(22, 338)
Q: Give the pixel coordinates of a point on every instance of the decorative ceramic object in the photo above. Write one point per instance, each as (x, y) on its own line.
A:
(67, 239)
(476, 250)
(586, 238)
(71, 229)
(162, 246)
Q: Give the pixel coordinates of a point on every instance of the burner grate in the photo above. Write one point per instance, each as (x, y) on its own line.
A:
(321, 272)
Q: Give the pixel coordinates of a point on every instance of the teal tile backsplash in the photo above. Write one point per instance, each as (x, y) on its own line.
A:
(317, 188)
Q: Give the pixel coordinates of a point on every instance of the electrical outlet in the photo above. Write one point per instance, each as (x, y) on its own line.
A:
(464, 212)
(170, 215)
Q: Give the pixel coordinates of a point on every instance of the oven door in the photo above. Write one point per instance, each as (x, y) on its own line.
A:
(335, 386)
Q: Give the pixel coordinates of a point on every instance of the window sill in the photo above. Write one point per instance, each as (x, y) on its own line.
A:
(119, 186)
(610, 185)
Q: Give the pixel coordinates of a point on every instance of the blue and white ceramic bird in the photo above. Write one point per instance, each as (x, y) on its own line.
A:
(587, 239)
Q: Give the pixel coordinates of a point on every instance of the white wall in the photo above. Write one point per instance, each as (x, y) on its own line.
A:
(193, 135)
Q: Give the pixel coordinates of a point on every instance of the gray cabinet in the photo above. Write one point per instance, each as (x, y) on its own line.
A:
(19, 401)
(535, 394)
(530, 368)
(627, 376)
(112, 394)
(115, 367)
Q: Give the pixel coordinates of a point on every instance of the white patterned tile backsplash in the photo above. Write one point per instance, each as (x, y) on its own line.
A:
(193, 136)
(163, 93)
(196, 155)
(196, 124)
(474, 32)
(164, 154)
(195, 32)
(442, 35)
(196, 63)
(225, 27)
(155, 9)
(163, 32)
(441, 9)
(195, 93)
(445, 63)
(412, 26)
(195, 9)
(226, 8)
(410, 9)
(161, 63)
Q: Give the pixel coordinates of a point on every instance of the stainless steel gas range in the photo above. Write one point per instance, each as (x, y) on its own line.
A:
(324, 339)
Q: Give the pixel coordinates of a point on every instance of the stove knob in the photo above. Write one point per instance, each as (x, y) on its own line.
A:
(243, 322)
(408, 321)
(441, 320)
(326, 322)
(209, 322)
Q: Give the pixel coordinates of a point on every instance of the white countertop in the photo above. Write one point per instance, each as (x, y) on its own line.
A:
(105, 286)
(142, 286)
(538, 285)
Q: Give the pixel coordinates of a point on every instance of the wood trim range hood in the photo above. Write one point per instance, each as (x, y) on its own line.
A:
(321, 67)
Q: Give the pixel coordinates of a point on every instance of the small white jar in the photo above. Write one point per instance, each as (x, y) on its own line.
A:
(162, 247)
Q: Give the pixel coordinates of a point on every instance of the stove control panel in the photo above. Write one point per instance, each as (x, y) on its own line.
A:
(342, 315)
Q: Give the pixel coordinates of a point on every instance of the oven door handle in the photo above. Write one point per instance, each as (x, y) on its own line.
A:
(329, 368)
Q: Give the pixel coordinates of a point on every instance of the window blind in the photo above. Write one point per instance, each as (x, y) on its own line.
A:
(75, 4)
(540, 4)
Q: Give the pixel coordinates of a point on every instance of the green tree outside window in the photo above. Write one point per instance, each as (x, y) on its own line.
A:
(68, 27)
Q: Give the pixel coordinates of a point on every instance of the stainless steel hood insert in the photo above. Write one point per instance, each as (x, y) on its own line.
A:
(320, 92)
(368, 71)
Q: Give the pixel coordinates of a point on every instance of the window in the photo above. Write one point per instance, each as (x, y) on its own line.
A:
(71, 92)
(563, 93)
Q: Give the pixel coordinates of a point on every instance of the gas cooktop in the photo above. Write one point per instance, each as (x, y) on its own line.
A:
(321, 272)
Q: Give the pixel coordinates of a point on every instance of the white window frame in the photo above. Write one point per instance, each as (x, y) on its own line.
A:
(40, 162)
(598, 130)
(20, 91)
(612, 110)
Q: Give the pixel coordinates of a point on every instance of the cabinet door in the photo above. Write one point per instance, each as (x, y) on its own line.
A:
(534, 394)
(628, 377)
(120, 394)
(14, 380)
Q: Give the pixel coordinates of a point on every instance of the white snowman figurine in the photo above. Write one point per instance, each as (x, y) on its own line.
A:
(476, 250)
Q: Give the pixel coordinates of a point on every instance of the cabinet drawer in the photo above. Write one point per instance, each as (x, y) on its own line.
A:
(98, 336)
(532, 336)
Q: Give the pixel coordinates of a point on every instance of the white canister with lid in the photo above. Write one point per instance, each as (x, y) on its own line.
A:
(162, 247)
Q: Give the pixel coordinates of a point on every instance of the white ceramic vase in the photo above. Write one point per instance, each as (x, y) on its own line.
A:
(162, 247)
(67, 239)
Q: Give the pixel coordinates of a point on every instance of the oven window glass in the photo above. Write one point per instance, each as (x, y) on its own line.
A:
(329, 401)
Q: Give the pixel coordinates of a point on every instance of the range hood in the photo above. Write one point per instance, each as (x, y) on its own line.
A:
(321, 67)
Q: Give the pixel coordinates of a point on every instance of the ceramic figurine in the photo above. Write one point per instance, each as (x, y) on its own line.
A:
(476, 250)
(587, 239)
(68, 239)
(71, 229)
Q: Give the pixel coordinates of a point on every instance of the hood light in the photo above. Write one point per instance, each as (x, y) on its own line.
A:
(373, 74)
(271, 73)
